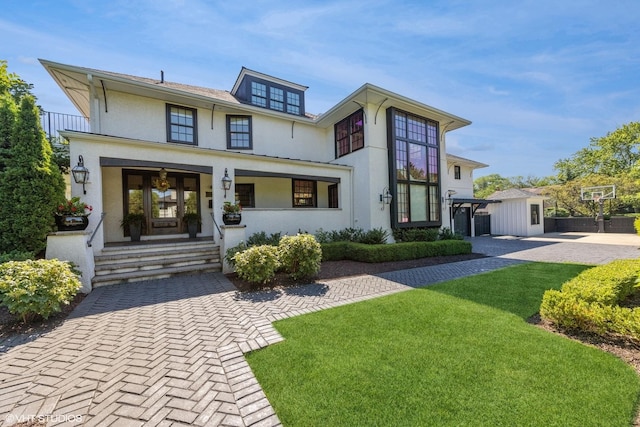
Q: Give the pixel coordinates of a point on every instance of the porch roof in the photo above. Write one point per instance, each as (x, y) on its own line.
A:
(475, 204)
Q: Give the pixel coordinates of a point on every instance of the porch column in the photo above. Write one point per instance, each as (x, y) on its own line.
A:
(72, 246)
(233, 235)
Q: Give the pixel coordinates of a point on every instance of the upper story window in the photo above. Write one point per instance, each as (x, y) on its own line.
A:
(269, 92)
(349, 134)
(456, 172)
(259, 94)
(182, 125)
(277, 99)
(239, 132)
(293, 103)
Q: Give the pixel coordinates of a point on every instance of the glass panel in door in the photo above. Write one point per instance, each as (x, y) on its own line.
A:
(164, 206)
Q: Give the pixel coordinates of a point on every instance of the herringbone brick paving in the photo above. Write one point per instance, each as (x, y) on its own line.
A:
(170, 351)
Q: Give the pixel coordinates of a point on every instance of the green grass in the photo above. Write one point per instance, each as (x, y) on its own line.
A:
(457, 353)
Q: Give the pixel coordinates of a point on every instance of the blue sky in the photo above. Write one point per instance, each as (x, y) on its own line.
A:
(538, 79)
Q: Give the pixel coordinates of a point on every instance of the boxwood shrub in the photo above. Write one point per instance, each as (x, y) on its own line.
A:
(35, 288)
(393, 252)
(591, 301)
(257, 264)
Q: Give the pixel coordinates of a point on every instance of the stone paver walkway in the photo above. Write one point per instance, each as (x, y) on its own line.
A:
(170, 352)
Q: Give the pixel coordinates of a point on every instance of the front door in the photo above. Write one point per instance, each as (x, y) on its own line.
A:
(163, 202)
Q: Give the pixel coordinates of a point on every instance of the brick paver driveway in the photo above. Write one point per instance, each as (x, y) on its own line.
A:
(170, 352)
(164, 352)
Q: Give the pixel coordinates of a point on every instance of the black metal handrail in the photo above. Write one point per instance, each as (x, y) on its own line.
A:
(216, 224)
(102, 215)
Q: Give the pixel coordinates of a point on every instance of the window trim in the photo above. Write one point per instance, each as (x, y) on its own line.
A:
(457, 172)
(229, 133)
(535, 213)
(334, 196)
(314, 197)
(350, 133)
(169, 123)
(252, 194)
(294, 109)
(433, 187)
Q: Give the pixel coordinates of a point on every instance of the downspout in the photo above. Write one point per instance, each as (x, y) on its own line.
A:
(352, 199)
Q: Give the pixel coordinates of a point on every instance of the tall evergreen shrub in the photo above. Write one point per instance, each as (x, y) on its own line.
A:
(31, 186)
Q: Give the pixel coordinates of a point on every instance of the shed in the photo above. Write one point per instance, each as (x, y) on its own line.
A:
(519, 214)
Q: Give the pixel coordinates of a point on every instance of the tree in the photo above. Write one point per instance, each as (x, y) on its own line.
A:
(612, 155)
(31, 186)
(486, 185)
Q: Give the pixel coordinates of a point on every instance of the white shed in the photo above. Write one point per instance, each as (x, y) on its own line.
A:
(519, 214)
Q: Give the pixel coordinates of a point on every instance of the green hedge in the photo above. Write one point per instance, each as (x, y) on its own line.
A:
(394, 251)
(590, 301)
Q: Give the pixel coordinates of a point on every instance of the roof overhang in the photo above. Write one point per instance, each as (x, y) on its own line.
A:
(461, 161)
(371, 94)
(474, 203)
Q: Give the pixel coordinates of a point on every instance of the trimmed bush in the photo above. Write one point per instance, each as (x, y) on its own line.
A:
(35, 288)
(636, 225)
(257, 264)
(261, 238)
(300, 255)
(376, 236)
(416, 234)
(230, 254)
(393, 252)
(590, 301)
(16, 256)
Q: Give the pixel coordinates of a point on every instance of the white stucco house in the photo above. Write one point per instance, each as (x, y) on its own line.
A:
(520, 213)
(376, 159)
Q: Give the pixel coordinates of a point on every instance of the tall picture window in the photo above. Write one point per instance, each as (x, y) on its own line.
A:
(415, 169)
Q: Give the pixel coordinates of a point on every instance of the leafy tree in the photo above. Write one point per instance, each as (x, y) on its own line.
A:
(486, 185)
(31, 186)
(612, 155)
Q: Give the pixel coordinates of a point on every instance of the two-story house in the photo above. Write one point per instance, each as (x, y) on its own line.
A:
(375, 159)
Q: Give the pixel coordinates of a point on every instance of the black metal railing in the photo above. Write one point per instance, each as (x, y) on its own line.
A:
(52, 123)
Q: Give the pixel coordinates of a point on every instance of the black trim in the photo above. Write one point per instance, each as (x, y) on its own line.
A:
(194, 113)
(314, 200)
(244, 94)
(232, 147)
(131, 163)
(245, 172)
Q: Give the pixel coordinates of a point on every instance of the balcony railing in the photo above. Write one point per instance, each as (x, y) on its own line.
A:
(52, 123)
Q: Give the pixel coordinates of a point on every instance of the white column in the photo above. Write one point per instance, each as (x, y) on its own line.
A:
(72, 246)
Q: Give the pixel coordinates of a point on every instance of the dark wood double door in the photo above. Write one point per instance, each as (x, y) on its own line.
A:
(163, 201)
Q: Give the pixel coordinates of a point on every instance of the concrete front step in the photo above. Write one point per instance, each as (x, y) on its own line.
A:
(129, 263)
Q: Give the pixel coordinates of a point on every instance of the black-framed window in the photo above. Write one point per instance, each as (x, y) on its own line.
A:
(239, 135)
(245, 195)
(349, 134)
(304, 193)
(276, 99)
(535, 214)
(182, 124)
(259, 94)
(333, 196)
(414, 165)
(293, 103)
(456, 172)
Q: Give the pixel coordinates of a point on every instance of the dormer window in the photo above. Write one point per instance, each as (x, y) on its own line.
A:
(269, 92)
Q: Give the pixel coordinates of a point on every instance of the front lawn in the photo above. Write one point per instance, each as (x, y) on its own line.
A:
(458, 353)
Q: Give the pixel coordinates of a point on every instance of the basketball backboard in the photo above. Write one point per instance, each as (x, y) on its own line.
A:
(599, 193)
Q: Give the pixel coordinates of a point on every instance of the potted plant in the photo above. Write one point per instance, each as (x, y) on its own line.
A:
(231, 213)
(192, 219)
(72, 214)
(134, 222)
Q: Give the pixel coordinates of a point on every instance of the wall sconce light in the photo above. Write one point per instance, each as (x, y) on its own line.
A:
(80, 173)
(385, 197)
(226, 182)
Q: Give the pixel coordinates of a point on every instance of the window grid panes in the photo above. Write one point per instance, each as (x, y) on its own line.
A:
(293, 103)
(349, 134)
(277, 99)
(181, 124)
(417, 169)
(245, 195)
(259, 94)
(304, 193)
(239, 132)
